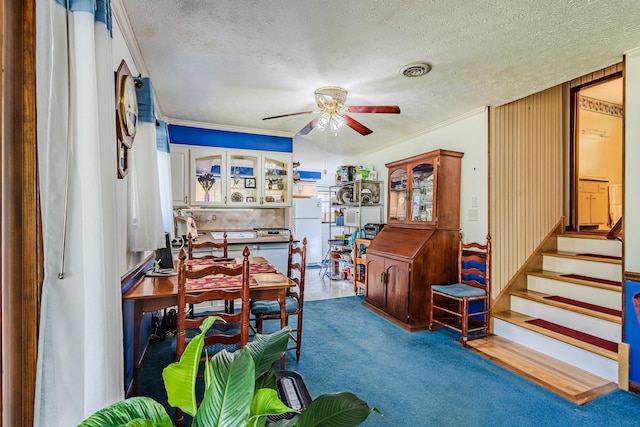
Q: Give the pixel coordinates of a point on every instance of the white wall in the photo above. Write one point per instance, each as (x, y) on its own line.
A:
(468, 134)
(126, 260)
(632, 152)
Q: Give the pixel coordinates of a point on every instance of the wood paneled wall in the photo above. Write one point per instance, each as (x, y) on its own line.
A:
(525, 179)
(21, 250)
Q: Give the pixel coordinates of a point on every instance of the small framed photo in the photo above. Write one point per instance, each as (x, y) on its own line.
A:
(250, 199)
(249, 183)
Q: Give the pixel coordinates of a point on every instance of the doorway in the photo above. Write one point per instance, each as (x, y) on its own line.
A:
(598, 154)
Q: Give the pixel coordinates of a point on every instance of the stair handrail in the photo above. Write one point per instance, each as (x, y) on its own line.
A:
(613, 234)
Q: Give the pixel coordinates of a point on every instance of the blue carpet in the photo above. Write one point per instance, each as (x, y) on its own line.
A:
(424, 378)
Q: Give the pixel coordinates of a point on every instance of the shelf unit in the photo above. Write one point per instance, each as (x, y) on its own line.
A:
(359, 265)
(359, 202)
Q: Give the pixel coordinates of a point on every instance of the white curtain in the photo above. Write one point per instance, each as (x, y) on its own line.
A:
(80, 352)
(145, 228)
(164, 170)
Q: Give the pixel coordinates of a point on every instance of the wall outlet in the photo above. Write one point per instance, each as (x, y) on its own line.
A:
(473, 214)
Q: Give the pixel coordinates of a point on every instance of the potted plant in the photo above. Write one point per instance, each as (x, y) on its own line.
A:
(240, 390)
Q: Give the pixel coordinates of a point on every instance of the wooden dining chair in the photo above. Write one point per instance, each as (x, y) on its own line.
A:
(191, 245)
(465, 306)
(232, 331)
(263, 309)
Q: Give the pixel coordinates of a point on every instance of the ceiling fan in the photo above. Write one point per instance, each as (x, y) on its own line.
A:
(331, 100)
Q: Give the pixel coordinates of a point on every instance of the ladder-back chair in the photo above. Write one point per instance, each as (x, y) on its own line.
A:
(230, 333)
(465, 306)
(262, 309)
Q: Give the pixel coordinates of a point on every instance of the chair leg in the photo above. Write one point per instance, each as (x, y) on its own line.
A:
(298, 336)
(431, 309)
(465, 319)
(259, 323)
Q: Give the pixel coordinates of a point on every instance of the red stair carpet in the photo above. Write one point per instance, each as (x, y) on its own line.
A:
(584, 337)
(592, 279)
(598, 308)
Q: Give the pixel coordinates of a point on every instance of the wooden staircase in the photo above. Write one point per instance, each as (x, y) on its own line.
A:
(563, 330)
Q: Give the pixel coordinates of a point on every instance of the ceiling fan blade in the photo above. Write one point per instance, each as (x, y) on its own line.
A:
(357, 126)
(287, 115)
(309, 127)
(386, 109)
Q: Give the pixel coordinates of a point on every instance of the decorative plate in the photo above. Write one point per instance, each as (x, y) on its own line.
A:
(346, 196)
(366, 196)
(237, 197)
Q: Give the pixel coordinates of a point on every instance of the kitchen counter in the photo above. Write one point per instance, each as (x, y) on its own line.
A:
(274, 248)
(207, 237)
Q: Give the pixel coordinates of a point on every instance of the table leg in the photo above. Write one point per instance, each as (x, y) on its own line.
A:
(137, 319)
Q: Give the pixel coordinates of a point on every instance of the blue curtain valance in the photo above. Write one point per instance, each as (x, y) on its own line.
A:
(146, 111)
(162, 136)
(100, 9)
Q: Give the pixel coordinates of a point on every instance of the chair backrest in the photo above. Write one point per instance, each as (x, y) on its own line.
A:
(191, 245)
(296, 267)
(241, 272)
(474, 261)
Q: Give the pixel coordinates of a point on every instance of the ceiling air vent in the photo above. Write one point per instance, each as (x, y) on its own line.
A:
(415, 69)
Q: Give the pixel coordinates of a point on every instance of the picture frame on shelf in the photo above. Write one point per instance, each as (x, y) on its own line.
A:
(250, 199)
(249, 183)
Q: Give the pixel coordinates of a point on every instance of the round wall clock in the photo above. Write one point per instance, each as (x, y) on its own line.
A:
(126, 105)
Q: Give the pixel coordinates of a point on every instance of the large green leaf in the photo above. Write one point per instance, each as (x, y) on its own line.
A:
(229, 386)
(335, 409)
(180, 377)
(133, 412)
(266, 402)
(267, 349)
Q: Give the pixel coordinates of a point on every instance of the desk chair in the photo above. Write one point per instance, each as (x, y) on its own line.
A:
(465, 306)
(261, 309)
(232, 332)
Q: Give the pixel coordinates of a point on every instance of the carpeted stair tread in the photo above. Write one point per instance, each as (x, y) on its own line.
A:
(578, 335)
(600, 256)
(592, 279)
(582, 304)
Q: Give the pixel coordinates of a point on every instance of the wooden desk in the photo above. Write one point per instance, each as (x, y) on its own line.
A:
(157, 293)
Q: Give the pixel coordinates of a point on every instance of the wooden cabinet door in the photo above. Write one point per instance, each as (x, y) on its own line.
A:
(397, 289)
(376, 288)
(599, 208)
(584, 208)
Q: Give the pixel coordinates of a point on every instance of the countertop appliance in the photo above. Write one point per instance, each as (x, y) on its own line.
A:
(306, 221)
(371, 230)
(271, 232)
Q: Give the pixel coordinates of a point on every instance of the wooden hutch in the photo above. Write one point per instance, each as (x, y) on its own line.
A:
(418, 246)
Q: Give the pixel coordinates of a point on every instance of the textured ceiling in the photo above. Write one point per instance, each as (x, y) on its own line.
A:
(226, 64)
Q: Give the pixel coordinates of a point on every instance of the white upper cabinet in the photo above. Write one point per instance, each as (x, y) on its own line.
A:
(216, 177)
(180, 175)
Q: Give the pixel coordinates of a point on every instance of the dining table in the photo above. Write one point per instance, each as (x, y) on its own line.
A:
(155, 292)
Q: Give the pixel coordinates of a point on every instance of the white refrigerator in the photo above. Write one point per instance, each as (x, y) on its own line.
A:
(306, 220)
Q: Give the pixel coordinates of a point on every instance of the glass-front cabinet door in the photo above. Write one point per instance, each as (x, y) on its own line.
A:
(277, 179)
(422, 192)
(398, 194)
(208, 180)
(244, 179)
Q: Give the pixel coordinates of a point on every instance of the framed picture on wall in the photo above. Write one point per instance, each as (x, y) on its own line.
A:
(249, 183)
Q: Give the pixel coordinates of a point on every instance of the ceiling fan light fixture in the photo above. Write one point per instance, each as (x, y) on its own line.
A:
(337, 122)
(323, 121)
(415, 69)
